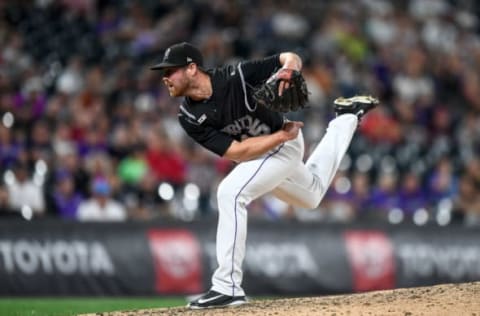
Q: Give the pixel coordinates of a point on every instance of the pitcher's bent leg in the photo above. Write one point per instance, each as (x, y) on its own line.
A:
(309, 183)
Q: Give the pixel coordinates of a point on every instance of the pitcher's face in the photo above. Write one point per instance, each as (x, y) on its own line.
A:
(176, 81)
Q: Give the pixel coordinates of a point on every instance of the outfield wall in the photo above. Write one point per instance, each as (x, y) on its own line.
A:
(63, 258)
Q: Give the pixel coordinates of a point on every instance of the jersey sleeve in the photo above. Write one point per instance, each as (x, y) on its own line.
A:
(210, 138)
(257, 71)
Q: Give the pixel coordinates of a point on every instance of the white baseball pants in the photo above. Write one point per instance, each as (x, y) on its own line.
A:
(282, 172)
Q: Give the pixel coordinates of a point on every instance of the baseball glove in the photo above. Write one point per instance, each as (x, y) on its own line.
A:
(294, 96)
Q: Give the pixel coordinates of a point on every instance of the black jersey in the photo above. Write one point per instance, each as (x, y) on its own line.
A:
(230, 113)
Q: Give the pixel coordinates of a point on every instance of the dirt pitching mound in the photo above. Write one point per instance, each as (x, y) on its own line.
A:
(440, 300)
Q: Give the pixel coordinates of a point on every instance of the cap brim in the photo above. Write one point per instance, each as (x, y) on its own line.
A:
(162, 66)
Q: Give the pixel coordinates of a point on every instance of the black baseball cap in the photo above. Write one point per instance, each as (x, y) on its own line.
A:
(179, 55)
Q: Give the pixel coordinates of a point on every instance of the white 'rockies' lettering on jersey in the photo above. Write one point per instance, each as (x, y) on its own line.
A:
(248, 126)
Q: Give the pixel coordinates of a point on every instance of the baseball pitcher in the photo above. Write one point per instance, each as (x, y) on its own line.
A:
(236, 112)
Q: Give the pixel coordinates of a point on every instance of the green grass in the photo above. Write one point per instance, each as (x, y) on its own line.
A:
(73, 306)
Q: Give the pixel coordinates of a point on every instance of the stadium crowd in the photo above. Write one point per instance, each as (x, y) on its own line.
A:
(88, 132)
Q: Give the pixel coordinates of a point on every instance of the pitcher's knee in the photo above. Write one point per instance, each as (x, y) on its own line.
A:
(229, 194)
(226, 193)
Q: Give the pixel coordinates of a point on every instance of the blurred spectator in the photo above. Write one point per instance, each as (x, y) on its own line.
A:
(145, 200)
(9, 147)
(413, 83)
(472, 168)
(133, 167)
(70, 81)
(384, 196)
(101, 207)
(25, 195)
(14, 55)
(66, 199)
(468, 136)
(99, 165)
(412, 196)
(61, 140)
(163, 160)
(69, 161)
(93, 143)
(442, 183)
(381, 127)
(467, 203)
(361, 191)
(40, 142)
(30, 103)
(121, 142)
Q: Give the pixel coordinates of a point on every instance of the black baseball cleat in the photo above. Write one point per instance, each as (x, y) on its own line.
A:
(358, 105)
(213, 299)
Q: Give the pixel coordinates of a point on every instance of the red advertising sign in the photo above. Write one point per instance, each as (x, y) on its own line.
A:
(177, 261)
(370, 254)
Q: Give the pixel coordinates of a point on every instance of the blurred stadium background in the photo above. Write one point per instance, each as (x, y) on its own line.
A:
(84, 123)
